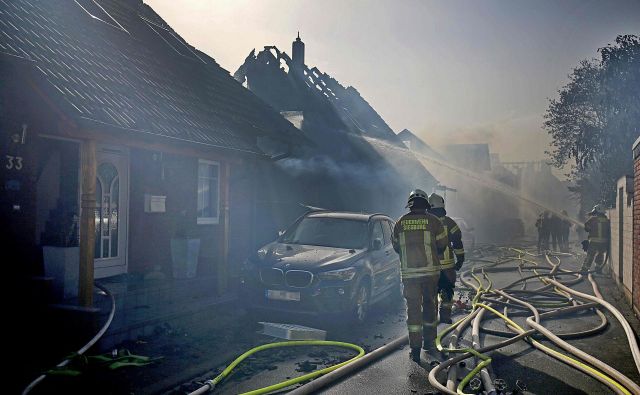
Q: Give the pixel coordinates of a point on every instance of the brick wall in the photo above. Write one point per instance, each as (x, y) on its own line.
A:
(636, 228)
(621, 248)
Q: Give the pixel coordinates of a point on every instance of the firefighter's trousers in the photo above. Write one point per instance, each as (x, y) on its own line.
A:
(422, 302)
(446, 284)
(595, 252)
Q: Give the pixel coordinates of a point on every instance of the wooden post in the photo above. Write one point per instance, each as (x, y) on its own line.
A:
(223, 268)
(87, 223)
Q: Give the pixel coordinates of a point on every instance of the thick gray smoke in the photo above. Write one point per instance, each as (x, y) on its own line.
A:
(322, 165)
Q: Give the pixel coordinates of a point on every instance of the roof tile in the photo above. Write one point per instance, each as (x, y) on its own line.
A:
(134, 80)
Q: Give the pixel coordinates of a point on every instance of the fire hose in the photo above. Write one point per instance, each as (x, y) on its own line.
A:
(210, 384)
(87, 346)
(505, 297)
(552, 299)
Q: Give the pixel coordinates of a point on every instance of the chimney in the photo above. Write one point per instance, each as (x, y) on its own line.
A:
(297, 50)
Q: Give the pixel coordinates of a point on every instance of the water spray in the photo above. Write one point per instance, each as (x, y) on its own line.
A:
(478, 178)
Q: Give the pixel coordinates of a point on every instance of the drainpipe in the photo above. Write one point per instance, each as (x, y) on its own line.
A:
(87, 223)
(223, 267)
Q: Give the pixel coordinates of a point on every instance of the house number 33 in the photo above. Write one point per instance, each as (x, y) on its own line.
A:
(14, 162)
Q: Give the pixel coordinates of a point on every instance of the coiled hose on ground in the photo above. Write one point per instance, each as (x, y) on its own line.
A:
(553, 298)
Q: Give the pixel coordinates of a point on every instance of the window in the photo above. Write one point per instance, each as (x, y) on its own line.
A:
(106, 213)
(208, 192)
(328, 232)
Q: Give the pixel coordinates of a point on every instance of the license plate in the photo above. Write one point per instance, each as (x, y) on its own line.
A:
(282, 295)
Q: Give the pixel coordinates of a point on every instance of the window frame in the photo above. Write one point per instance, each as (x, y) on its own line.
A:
(208, 220)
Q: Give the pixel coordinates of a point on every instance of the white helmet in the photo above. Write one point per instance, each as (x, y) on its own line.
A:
(597, 209)
(436, 201)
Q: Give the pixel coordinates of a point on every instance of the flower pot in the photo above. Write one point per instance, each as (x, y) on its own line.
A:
(62, 263)
(184, 257)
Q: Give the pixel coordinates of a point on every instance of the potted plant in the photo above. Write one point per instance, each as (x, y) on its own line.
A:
(185, 247)
(60, 251)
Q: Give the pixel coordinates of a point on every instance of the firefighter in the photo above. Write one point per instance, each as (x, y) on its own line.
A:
(449, 266)
(598, 228)
(544, 231)
(420, 239)
(565, 230)
(540, 232)
(555, 229)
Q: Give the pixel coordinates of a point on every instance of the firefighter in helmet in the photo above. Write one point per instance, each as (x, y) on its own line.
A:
(598, 228)
(420, 240)
(449, 266)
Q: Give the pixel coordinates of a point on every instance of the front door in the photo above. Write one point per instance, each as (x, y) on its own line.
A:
(112, 203)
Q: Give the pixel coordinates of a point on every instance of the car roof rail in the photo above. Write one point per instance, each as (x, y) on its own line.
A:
(375, 214)
(312, 208)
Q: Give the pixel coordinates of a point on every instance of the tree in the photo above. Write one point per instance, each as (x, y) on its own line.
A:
(596, 118)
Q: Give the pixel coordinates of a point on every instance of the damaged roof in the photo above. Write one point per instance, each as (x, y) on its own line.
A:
(418, 145)
(337, 118)
(356, 113)
(118, 64)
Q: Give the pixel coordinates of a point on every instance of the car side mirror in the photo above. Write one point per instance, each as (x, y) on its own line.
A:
(377, 244)
(280, 233)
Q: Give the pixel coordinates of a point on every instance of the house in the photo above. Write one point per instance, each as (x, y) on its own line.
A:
(357, 162)
(635, 287)
(129, 147)
(417, 145)
(621, 242)
(500, 199)
(474, 157)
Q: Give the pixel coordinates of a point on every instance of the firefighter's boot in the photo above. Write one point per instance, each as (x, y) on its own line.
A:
(429, 336)
(445, 313)
(414, 354)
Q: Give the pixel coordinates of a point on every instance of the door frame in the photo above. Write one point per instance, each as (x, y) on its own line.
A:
(101, 270)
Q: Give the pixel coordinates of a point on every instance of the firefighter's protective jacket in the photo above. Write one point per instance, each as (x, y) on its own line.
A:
(598, 228)
(455, 238)
(420, 239)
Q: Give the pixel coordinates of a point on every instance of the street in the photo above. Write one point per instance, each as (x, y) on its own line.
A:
(194, 353)
(446, 193)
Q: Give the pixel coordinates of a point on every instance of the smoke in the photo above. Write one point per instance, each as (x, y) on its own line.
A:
(515, 138)
(325, 166)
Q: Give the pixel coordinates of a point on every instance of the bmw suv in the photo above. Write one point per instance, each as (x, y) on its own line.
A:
(326, 262)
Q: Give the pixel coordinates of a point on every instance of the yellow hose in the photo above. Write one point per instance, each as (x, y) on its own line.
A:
(210, 384)
(559, 355)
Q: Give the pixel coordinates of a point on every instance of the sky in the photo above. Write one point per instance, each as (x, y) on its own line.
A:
(470, 71)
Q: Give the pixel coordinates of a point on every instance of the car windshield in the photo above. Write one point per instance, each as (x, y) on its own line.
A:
(328, 232)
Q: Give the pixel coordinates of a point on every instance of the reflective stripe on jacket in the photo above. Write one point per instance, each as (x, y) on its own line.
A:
(419, 237)
(598, 228)
(455, 242)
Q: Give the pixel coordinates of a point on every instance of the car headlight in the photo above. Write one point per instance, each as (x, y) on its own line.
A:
(341, 274)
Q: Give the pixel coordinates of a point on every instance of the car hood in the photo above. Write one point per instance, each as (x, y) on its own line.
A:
(306, 257)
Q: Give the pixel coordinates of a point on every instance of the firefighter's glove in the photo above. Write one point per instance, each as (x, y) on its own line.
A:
(585, 245)
(459, 262)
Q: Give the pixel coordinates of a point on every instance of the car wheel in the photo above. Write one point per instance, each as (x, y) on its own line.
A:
(361, 310)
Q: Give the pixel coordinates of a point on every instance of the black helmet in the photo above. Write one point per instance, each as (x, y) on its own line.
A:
(417, 194)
